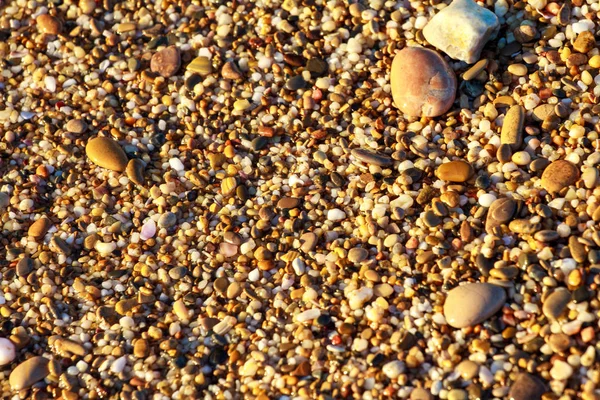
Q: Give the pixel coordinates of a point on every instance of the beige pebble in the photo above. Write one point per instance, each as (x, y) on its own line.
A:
(106, 153)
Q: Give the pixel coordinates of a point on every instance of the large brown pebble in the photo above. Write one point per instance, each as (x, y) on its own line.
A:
(455, 171)
(166, 62)
(558, 175)
(423, 84)
(527, 387)
(39, 228)
(585, 42)
(48, 24)
(29, 372)
(106, 153)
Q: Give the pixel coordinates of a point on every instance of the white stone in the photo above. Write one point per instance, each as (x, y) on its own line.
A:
(462, 29)
(308, 315)
(486, 199)
(7, 351)
(299, 266)
(335, 215)
(393, 369)
(105, 248)
(118, 365)
(357, 298)
(561, 370)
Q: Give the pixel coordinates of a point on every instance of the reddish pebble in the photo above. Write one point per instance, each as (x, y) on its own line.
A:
(166, 62)
(423, 84)
(587, 334)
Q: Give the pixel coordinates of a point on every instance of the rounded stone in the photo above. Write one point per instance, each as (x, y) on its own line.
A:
(473, 303)
(106, 153)
(526, 387)
(558, 175)
(8, 351)
(166, 62)
(29, 372)
(358, 254)
(556, 303)
(455, 171)
(39, 228)
(76, 126)
(423, 84)
(48, 24)
(135, 171)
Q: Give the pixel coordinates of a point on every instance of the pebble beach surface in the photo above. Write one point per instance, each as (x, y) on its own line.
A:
(279, 200)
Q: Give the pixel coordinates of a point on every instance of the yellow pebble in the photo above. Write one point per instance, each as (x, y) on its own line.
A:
(595, 62)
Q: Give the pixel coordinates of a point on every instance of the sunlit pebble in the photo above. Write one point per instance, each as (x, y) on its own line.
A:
(148, 229)
(8, 351)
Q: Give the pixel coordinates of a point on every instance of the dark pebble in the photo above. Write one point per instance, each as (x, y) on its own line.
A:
(317, 66)
(371, 157)
(484, 264)
(295, 83)
(581, 294)
(25, 266)
(431, 220)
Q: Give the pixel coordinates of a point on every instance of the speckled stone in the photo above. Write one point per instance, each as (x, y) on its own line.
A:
(527, 387)
(558, 175)
(166, 62)
(423, 84)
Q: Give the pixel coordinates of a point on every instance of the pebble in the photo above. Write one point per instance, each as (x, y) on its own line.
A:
(527, 387)
(200, 65)
(473, 303)
(559, 175)
(39, 228)
(543, 111)
(500, 212)
(335, 215)
(373, 158)
(77, 126)
(49, 24)
(308, 242)
(295, 83)
(135, 171)
(462, 29)
(455, 171)
(561, 370)
(423, 84)
(468, 369)
(29, 372)
(475, 70)
(393, 369)
(25, 266)
(8, 351)
(556, 303)
(357, 255)
(231, 71)
(106, 153)
(585, 42)
(166, 62)
(512, 127)
(421, 394)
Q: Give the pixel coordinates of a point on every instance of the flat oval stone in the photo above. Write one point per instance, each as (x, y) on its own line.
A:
(527, 387)
(288, 203)
(25, 266)
(558, 175)
(308, 242)
(556, 303)
(500, 212)
(230, 71)
(39, 228)
(455, 171)
(29, 372)
(76, 126)
(372, 157)
(106, 153)
(166, 62)
(512, 128)
(358, 254)
(135, 171)
(473, 303)
(423, 84)
(200, 65)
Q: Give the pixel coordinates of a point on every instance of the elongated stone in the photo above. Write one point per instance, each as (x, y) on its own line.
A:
(455, 171)
(512, 128)
(29, 372)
